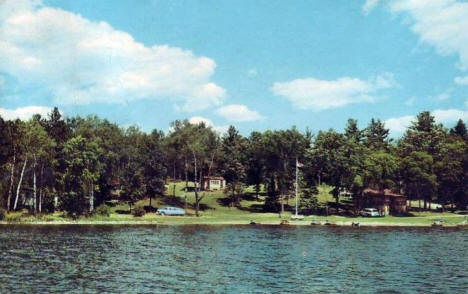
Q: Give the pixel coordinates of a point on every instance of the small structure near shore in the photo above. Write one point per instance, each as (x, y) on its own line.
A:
(213, 183)
(386, 202)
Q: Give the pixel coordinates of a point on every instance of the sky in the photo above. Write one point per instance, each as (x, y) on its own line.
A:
(262, 64)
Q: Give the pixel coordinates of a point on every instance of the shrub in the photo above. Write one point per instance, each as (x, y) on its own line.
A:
(138, 211)
(150, 209)
(14, 217)
(2, 214)
(103, 210)
(46, 217)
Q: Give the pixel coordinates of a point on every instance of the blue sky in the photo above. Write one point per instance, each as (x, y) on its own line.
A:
(255, 64)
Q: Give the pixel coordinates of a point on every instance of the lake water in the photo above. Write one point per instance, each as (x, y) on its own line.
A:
(230, 259)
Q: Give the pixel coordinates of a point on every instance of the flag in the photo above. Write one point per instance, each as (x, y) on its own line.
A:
(298, 164)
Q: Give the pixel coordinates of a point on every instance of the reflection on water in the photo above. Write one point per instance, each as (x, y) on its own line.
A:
(201, 259)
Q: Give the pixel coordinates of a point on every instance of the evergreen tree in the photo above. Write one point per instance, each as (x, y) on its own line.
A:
(255, 161)
(459, 130)
(233, 167)
(376, 136)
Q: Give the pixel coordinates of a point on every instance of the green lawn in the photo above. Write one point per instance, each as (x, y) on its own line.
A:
(216, 210)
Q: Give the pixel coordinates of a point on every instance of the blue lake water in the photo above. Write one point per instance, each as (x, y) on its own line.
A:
(232, 259)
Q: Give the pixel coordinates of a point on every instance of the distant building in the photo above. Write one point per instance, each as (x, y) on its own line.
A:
(345, 194)
(386, 202)
(213, 183)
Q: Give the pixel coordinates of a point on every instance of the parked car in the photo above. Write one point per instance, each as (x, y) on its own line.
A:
(369, 212)
(171, 211)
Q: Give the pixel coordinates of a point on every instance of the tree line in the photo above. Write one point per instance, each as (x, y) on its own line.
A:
(75, 164)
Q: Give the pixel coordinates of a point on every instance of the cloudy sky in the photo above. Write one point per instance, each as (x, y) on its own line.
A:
(262, 64)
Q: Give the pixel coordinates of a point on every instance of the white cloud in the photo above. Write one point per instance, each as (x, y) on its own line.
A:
(461, 81)
(369, 6)
(81, 61)
(448, 116)
(440, 23)
(398, 125)
(195, 120)
(238, 113)
(24, 113)
(315, 94)
(209, 123)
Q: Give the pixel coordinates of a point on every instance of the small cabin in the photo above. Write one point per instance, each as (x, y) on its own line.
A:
(386, 202)
(345, 194)
(213, 183)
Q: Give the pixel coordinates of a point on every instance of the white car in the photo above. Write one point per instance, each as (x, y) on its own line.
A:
(171, 211)
(370, 212)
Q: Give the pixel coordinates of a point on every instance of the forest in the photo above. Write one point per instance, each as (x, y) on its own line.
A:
(75, 164)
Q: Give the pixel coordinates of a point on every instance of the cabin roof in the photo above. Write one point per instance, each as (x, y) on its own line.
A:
(213, 178)
(386, 192)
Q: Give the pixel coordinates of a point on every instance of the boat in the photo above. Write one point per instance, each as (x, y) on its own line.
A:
(284, 222)
(297, 217)
(327, 223)
(315, 223)
(464, 223)
(438, 223)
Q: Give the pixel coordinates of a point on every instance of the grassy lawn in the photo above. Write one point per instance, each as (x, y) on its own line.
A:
(215, 209)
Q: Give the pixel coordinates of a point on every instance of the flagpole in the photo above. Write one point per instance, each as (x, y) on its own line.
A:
(296, 186)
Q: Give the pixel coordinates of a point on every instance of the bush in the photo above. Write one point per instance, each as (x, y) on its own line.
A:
(138, 211)
(103, 210)
(46, 218)
(74, 204)
(14, 217)
(2, 214)
(150, 209)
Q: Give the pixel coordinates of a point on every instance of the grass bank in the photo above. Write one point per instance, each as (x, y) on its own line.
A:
(216, 210)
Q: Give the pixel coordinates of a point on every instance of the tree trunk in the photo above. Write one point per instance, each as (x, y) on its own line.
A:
(186, 175)
(34, 186)
(257, 190)
(282, 203)
(55, 202)
(41, 184)
(197, 206)
(12, 179)
(186, 183)
(91, 199)
(200, 179)
(18, 189)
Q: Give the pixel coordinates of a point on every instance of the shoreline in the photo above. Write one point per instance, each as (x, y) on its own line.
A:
(202, 222)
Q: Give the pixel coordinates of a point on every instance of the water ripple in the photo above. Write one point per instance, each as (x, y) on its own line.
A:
(197, 259)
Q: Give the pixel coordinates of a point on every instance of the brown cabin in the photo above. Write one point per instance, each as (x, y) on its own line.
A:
(213, 183)
(386, 202)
